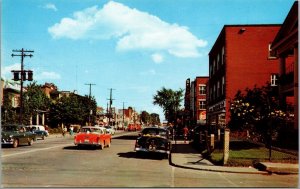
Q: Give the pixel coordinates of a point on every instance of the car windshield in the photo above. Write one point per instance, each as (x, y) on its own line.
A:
(84, 130)
(10, 128)
(154, 131)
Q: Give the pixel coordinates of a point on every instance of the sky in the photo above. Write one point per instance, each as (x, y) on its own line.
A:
(134, 47)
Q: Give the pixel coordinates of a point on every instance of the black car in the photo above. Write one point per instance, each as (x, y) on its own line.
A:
(15, 135)
(154, 140)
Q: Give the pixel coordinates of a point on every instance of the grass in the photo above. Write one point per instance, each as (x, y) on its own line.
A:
(243, 153)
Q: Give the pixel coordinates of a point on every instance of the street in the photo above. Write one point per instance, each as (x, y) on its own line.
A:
(57, 162)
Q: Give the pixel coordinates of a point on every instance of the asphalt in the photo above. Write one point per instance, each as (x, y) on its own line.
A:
(183, 155)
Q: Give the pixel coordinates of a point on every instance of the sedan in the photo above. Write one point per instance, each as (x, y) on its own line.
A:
(93, 136)
(153, 140)
(15, 135)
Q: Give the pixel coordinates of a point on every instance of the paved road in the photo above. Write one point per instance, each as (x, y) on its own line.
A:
(56, 162)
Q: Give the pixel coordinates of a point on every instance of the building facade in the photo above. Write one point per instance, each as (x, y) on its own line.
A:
(239, 59)
(285, 48)
(195, 100)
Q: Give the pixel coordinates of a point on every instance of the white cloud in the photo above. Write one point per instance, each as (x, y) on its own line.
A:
(50, 6)
(47, 75)
(6, 71)
(149, 72)
(157, 58)
(134, 30)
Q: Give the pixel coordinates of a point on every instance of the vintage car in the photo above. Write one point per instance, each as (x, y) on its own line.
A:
(93, 136)
(15, 135)
(153, 139)
(39, 130)
(110, 129)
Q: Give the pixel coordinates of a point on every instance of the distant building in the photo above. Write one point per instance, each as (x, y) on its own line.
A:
(239, 59)
(285, 48)
(195, 100)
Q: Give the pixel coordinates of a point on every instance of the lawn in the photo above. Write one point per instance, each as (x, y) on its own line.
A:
(243, 153)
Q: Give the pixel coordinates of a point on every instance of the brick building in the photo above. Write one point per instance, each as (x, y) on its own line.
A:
(285, 48)
(240, 58)
(195, 100)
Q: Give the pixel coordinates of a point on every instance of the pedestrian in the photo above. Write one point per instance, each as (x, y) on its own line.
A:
(71, 130)
(185, 133)
(64, 130)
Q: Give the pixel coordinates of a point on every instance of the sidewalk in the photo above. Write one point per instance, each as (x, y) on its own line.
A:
(185, 156)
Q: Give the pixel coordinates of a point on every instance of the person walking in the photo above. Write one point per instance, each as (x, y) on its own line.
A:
(185, 133)
(71, 130)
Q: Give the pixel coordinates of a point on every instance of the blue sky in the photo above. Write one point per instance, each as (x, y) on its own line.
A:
(135, 47)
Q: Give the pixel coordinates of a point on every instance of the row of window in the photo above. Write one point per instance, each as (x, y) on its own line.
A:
(217, 90)
(217, 63)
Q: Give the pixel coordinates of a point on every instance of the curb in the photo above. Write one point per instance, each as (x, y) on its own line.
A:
(213, 170)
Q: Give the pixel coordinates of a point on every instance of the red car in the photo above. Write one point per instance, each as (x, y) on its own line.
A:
(93, 136)
(131, 127)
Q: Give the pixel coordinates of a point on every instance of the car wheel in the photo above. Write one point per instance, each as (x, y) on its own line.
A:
(101, 146)
(30, 141)
(108, 144)
(15, 143)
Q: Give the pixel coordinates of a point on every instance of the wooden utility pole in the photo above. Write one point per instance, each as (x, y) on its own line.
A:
(90, 96)
(23, 75)
(110, 103)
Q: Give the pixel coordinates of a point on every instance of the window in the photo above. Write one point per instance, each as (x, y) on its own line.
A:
(214, 92)
(214, 67)
(223, 85)
(210, 70)
(274, 80)
(202, 104)
(223, 56)
(218, 60)
(272, 54)
(218, 89)
(202, 89)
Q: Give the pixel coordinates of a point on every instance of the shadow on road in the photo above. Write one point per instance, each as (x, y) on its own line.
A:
(126, 137)
(152, 156)
(80, 148)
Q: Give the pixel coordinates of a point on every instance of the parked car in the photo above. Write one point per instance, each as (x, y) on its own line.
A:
(153, 140)
(110, 129)
(93, 136)
(131, 127)
(15, 135)
(39, 130)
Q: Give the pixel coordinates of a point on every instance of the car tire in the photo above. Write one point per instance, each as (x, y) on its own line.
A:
(101, 146)
(15, 143)
(30, 141)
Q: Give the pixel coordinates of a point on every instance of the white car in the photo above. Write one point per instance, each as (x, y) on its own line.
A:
(110, 130)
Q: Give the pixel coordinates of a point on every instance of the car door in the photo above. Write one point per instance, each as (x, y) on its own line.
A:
(22, 135)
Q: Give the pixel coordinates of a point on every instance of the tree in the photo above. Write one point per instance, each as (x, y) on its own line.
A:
(8, 112)
(256, 110)
(145, 117)
(73, 109)
(170, 101)
(154, 119)
(34, 99)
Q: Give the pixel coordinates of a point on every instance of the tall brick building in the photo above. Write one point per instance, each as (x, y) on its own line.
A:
(240, 58)
(285, 48)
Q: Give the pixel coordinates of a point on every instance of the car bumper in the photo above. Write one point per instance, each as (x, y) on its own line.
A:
(139, 149)
(7, 141)
(87, 143)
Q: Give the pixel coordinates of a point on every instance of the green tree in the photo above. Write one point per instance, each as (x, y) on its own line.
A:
(145, 117)
(256, 110)
(154, 119)
(73, 109)
(34, 99)
(8, 112)
(170, 101)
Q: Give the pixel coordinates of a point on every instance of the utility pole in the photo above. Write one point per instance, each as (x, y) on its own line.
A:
(90, 96)
(123, 114)
(23, 75)
(90, 84)
(110, 103)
